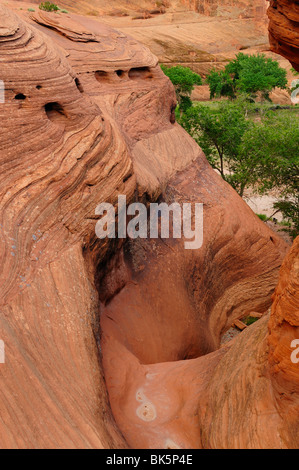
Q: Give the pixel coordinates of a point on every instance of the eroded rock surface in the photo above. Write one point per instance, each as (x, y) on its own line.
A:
(255, 9)
(161, 333)
(88, 115)
(284, 29)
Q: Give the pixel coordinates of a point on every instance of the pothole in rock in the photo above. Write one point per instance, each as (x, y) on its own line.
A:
(140, 73)
(56, 112)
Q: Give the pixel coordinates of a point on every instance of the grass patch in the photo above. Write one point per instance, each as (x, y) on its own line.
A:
(249, 320)
(255, 108)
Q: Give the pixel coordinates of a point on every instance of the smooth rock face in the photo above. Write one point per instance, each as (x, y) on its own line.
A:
(161, 332)
(284, 29)
(283, 330)
(88, 115)
(255, 9)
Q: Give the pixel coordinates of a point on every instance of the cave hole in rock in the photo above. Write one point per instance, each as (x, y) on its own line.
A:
(172, 113)
(102, 76)
(116, 271)
(38, 87)
(120, 73)
(20, 96)
(55, 112)
(79, 85)
(140, 73)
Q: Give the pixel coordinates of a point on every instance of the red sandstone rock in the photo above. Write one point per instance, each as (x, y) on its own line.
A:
(255, 9)
(163, 332)
(283, 330)
(284, 29)
(88, 116)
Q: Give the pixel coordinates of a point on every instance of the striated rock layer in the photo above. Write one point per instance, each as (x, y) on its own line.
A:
(255, 9)
(284, 29)
(89, 115)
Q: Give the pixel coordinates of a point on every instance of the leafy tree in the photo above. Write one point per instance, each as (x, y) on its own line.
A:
(221, 84)
(247, 74)
(273, 148)
(262, 153)
(219, 133)
(184, 80)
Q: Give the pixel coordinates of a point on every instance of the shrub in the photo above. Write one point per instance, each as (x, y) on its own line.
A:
(184, 80)
(250, 320)
(263, 217)
(48, 6)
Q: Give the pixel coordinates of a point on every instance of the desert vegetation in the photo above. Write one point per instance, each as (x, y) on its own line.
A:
(52, 7)
(48, 6)
(249, 75)
(251, 144)
(184, 80)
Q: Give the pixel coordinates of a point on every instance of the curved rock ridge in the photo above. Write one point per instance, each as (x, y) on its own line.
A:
(59, 157)
(139, 321)
(72, 30)
(284, 29)
(168, 381)
(283, 331)
(66, 145)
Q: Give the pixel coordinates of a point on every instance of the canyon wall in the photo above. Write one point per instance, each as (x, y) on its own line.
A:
(284, 29)
(116, 343)
(255, 9)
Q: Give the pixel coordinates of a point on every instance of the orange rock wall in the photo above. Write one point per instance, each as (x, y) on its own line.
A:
(284, 29)
(112, 344)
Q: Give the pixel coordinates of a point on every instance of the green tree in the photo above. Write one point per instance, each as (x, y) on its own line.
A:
(221, 84)
(249, 74)
(219, 133)
(184, 80)
(272, 147)
(263, 153)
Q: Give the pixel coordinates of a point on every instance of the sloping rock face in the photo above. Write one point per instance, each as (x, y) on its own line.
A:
(170, 385)
(55, 147)
(255, 9)
(236, 8)
(284, 29)
(88, 115)
(284, 330)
